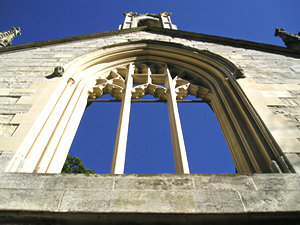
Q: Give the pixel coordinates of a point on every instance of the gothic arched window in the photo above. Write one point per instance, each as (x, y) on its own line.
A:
(154, 79)
(113, 70)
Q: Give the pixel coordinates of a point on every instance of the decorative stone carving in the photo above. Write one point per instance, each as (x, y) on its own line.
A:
(150, 80)
(239, 73)
(290, 40)
(181, 88)
(71, 81)
(130, 14)
(58, 71)
(114, 85)
(7, 37)
(165, 14)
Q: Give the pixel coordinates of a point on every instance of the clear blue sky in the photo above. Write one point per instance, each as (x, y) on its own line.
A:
(253, 20)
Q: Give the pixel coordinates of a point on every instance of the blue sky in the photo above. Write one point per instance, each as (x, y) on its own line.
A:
(149, 143)
(253, 20)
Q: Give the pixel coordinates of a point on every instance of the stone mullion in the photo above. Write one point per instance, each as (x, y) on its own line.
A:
(180, 157)
(118, 162)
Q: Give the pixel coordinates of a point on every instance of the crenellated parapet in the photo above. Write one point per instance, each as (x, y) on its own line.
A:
(7, 37)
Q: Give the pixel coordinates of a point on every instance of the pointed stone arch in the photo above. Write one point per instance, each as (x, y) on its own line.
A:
(46, 146)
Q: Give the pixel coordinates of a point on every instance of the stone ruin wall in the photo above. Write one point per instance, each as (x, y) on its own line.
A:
(272, 84)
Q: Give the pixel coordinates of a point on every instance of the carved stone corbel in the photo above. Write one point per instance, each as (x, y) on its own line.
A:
(58, 71)
(239, 73)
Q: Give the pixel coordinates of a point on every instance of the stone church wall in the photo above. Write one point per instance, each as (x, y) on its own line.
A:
(271, 83)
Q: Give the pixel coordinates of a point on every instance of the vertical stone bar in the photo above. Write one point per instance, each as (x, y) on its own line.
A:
(118, 162)
(180, 157)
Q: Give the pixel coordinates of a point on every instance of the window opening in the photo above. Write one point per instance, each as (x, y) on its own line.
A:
(107, 97)
(95, 137)
(208, 76)
(149, 22)
(149, 146)
(147, 82)
(206, 147)
(149, 97)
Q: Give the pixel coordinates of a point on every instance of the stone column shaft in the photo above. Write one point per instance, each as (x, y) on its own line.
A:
(118, 162)
(180, 157)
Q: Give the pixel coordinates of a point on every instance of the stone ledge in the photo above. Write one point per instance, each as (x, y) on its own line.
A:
(165, 182)
(167, 193)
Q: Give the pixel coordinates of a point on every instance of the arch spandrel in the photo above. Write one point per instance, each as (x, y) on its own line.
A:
(204, 74)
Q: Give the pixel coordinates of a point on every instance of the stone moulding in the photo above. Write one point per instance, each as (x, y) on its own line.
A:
(47, 144)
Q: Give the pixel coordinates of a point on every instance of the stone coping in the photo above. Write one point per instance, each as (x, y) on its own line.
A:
(173, 33)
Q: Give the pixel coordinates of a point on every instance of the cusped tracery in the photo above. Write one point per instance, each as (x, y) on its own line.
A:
(149, 79)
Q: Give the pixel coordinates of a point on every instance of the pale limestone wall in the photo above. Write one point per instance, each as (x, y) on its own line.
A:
(272, 85)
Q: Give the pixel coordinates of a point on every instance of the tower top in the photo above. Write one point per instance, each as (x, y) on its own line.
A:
(132, 19)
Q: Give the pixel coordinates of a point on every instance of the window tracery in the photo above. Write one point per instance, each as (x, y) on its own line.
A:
(147, 79)
(210, 77)
(160, 82)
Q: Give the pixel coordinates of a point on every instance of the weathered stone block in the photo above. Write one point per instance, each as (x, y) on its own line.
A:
(220, 201)
(20, 85)
(295, 68)
(291, 101)
(8, 100)
(6, 118)
(22, 181)
(14, 108)
(268, 201)
(153, 183)
(153, 201)
(21, 93)
(39, 200)
(78, 182)
(223, 182)
(7, 129)
(4, 85)
(86, 201)
(276, 181)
